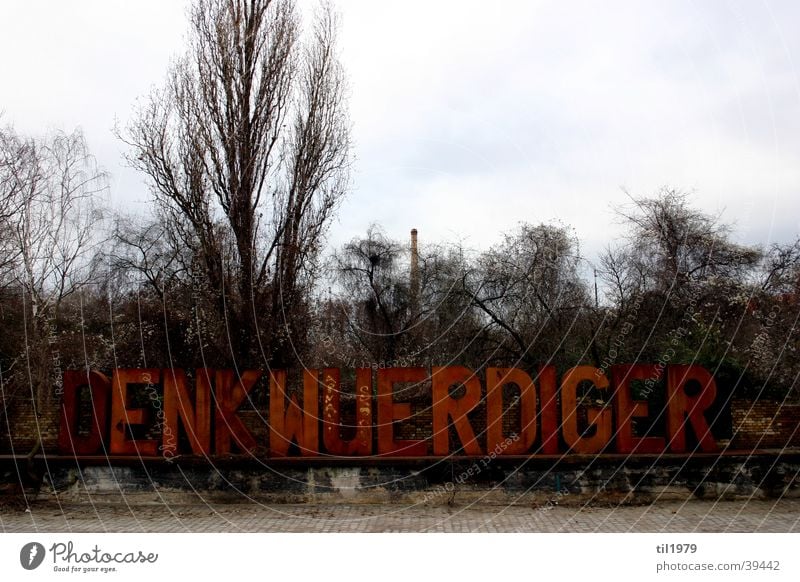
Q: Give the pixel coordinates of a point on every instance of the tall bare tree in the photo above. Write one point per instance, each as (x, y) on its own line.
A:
(247, 150)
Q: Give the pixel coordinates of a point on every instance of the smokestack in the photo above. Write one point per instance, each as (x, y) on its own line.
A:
(414, 283)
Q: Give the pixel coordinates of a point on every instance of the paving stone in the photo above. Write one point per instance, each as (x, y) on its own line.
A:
(693, 516)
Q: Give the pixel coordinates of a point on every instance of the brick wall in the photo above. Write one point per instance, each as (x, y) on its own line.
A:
(764, 425)
(25, 424)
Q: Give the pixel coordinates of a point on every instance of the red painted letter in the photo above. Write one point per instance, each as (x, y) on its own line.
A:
(627, 408)
(230, 393)
(445, 406)
(122, 416)
(683, 408)
(177, 403)
(293, 422)
(361, 443)
(599, 418)
(69, 441)
(496, 379)
(390, 411)
(547, 397)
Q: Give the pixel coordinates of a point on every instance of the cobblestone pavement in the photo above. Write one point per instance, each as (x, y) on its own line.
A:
(693, 516)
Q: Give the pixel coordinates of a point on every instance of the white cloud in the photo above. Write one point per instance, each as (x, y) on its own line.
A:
(469, 117)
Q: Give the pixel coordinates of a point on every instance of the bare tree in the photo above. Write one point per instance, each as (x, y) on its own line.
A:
(149, 250)
(396, 312)
(54, 187)
(781, 269)
(673, 247)
(372, 274)
(679, 287)
(14, 156)
(247, 149)
(529, 291)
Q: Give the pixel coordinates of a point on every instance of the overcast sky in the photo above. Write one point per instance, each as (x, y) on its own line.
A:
(470, 117)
